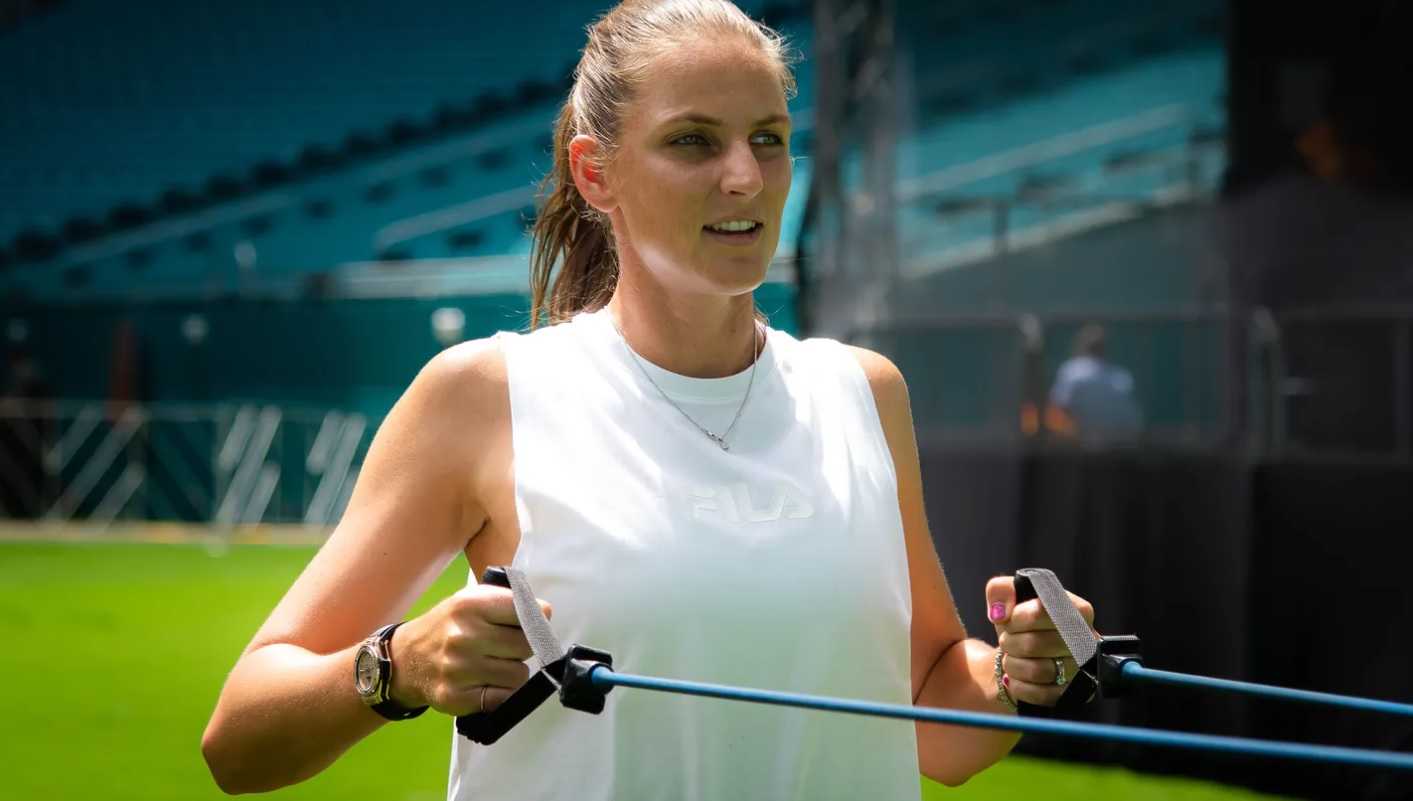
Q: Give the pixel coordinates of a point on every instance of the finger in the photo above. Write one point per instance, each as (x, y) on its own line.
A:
(504, 673)
(1000, 599)
(502, 682)
(474, 701)
(499, 677)
(1032, 615)
(502, 642)
(1030, 693)
(1036, 671)
(1033, 644)
(494, 697)
(1086, 609)
(497, 605)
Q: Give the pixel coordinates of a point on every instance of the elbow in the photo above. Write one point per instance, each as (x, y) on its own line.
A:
(956, 764)
(228, 769)
(951, 778)
(219, 763)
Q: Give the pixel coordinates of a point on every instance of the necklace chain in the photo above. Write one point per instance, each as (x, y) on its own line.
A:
(720, 439)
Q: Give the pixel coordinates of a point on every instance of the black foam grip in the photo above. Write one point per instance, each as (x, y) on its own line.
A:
(487, 727)
(1025, 591)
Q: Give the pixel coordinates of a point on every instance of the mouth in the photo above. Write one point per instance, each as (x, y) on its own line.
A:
(735, 232)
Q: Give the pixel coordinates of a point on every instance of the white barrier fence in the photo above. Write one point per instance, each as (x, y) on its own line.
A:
(97, 464)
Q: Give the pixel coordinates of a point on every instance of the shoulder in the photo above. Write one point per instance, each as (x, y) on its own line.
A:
(886, 388)
(468, 370)
(884, 377)
(890, 400)
(890, 396)
(463, 372)
(458, 398)
(870, 377)
(885, 381)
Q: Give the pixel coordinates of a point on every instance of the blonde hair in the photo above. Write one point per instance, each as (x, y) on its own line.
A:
(623, 46)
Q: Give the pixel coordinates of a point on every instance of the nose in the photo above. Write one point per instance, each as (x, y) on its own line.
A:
(740, 173)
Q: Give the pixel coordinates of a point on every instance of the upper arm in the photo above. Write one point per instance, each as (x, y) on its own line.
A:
(936, 626)
(413, 509)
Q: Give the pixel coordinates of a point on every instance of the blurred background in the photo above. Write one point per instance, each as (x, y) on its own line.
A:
(1147, 268)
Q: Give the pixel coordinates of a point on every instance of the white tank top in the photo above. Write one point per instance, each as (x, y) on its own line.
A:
(776, 564)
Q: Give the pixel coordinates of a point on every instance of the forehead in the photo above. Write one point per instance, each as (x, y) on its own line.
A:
(728, 80)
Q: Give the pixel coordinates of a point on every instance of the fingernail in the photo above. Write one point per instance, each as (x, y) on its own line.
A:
(998, 611)
(1006, 680)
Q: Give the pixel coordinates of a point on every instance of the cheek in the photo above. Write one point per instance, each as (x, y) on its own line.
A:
(778, 175)
(669, 204)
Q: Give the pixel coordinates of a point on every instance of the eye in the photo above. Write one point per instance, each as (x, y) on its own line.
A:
(768, 138)
(690, 139)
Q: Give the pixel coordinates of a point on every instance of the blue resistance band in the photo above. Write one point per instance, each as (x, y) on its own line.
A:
(606, 678)
(1109, 667)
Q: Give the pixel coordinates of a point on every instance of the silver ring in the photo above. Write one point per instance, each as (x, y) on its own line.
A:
(482, 702)
(1060, 679)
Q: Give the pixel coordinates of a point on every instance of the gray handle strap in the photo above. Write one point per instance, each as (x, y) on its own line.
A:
(533, 621)
(1068, 622)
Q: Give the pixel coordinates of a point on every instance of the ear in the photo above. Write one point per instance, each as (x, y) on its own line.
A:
(584, 164)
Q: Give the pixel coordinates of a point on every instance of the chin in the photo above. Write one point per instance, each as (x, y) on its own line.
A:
(736, 278)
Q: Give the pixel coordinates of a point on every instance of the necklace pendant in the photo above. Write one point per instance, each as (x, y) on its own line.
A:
(720, 441)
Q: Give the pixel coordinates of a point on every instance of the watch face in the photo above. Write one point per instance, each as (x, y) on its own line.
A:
(365, 669)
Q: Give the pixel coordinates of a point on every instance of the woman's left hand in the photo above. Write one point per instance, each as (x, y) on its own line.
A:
(1034, 652)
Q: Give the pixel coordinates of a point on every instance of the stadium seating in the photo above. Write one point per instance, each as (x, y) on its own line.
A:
(1053, 101)
(434, 154)
(313, 151)
(152, 95)
(294, 143)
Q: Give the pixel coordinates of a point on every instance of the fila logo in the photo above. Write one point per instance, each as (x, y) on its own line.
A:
(735, 503)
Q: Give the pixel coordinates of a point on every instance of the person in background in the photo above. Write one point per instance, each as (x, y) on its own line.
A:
(1096, 396)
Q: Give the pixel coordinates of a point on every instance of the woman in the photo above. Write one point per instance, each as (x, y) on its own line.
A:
(703, 497)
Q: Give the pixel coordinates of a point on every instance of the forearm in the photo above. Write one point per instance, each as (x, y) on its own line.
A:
(963, 679)
(285, 715)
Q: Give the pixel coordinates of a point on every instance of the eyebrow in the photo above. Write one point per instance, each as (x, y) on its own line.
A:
(702, 119)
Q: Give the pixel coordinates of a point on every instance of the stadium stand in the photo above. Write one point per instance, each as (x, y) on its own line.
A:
(341, 153)
(314, 131)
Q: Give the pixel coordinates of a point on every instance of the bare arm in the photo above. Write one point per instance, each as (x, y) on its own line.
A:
(289, 708)
(948, 669)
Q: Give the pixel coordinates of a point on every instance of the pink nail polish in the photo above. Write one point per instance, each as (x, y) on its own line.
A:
(998, 611)
(1006, 680)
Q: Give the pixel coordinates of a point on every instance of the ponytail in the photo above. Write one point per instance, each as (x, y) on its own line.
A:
(570, 232)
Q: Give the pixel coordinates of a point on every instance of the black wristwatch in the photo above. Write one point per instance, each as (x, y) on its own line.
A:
(372, 675)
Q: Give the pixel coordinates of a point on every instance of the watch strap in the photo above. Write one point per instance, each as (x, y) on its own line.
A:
(389, 708)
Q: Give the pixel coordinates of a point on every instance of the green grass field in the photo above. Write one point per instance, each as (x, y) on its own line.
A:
(116, 653)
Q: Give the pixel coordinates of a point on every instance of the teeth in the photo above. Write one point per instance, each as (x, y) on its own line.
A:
(735, 226)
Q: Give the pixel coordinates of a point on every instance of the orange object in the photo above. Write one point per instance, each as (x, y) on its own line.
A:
(1055, 420)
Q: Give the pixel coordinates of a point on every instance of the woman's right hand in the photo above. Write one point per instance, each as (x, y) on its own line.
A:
(471, 640)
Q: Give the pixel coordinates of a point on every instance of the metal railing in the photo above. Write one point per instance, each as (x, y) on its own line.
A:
(1106, 135)
(229, 465)
(953, 218)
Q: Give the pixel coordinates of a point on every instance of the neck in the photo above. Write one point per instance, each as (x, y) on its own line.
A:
(695, 336)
